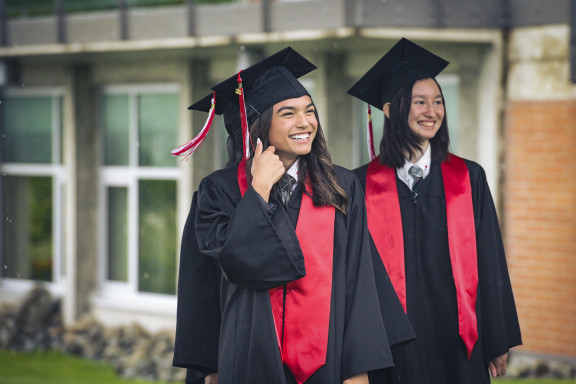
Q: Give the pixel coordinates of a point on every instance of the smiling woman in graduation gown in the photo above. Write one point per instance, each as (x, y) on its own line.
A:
(278, 289)
(439, 236)
(258, 248)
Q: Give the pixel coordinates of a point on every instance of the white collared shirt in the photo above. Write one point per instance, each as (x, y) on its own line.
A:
(293, 171)
(423, 163)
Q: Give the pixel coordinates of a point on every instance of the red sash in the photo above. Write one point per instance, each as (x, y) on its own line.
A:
(307, 309)
(385, 225)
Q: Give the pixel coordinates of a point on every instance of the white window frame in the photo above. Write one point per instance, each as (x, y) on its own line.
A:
(125, 295)
(452, 108)
(14, 287)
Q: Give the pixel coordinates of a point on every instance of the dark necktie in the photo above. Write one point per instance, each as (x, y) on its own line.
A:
(416, 172)
(286, 184)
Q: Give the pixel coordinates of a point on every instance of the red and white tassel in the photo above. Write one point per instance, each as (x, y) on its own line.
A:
(370, 136)
(243, 119)
(186, 150)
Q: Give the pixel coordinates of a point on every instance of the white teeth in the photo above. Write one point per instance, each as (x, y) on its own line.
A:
(427, 124)
(301, 136)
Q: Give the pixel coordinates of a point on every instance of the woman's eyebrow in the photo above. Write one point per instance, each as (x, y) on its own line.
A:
(291, 108)
(285, 108)
(438, 96)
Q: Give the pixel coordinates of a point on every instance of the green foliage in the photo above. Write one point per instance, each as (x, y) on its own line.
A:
(57, 368)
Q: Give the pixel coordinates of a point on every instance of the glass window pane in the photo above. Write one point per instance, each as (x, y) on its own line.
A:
(72, 6)
(27, 227)
(118, 234)
(158, 117)
(157, 236)
(151, 3)
(451, 92)
(117, 129)
(377, 129)
(27, 132)
(29, 8)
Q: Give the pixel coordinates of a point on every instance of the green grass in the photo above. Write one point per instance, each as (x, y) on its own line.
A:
(57, 368)
(532, 381)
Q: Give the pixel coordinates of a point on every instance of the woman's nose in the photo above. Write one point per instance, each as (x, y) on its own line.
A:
(430, 110)
(302, 121)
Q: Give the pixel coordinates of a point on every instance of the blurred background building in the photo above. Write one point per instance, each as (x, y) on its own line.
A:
(94, 95)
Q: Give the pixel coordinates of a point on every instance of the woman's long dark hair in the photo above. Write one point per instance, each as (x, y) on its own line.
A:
(317, 165)
(234, 147)
(399, 141)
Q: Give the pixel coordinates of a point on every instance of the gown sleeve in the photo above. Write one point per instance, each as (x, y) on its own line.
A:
(254, 243)
(365, 345)
(198, 311)
(501, 329)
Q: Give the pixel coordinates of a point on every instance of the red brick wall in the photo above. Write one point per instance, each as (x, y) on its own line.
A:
(540, 221)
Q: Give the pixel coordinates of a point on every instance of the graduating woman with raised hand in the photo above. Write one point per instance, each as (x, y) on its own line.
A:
(434, 224)
(297, 296)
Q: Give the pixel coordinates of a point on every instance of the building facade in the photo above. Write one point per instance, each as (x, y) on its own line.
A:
(95, 95)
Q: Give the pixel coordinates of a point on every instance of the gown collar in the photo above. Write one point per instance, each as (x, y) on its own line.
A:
(424, 163)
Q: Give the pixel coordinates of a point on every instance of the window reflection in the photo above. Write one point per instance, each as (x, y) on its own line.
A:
(27, 212)
(157, 236)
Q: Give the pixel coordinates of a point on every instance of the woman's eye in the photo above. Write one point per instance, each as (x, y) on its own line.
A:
(310, 111)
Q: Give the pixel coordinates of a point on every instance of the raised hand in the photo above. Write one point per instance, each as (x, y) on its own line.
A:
(267, 169)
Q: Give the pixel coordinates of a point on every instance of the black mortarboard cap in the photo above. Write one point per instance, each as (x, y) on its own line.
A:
(224, 107)
(404, 63)
(267, 82)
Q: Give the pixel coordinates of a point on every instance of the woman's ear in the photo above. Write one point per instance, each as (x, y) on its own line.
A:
(386, 110)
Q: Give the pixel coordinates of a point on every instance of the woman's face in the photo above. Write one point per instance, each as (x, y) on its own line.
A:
(293, 128)
(426, 109)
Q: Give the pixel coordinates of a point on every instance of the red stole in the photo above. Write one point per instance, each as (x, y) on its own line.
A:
(385, 225)
(307, 311)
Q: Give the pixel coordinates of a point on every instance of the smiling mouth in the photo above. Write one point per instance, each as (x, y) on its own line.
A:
(427, 124)
(300, 137)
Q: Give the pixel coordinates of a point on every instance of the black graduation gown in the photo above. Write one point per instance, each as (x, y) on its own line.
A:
(256, 249)
(438, 355)
(196, 341)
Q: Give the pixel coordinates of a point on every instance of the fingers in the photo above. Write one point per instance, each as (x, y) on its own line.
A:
(266, 169)
(503, 365)
(497, 366)
(258, 150)
(492, 369)
(361, 378)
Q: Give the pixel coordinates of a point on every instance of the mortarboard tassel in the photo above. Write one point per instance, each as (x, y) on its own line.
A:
(370, 135)
(243, 119)
(186, 150)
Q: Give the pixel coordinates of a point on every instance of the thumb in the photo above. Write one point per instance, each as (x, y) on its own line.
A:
(258, 150)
